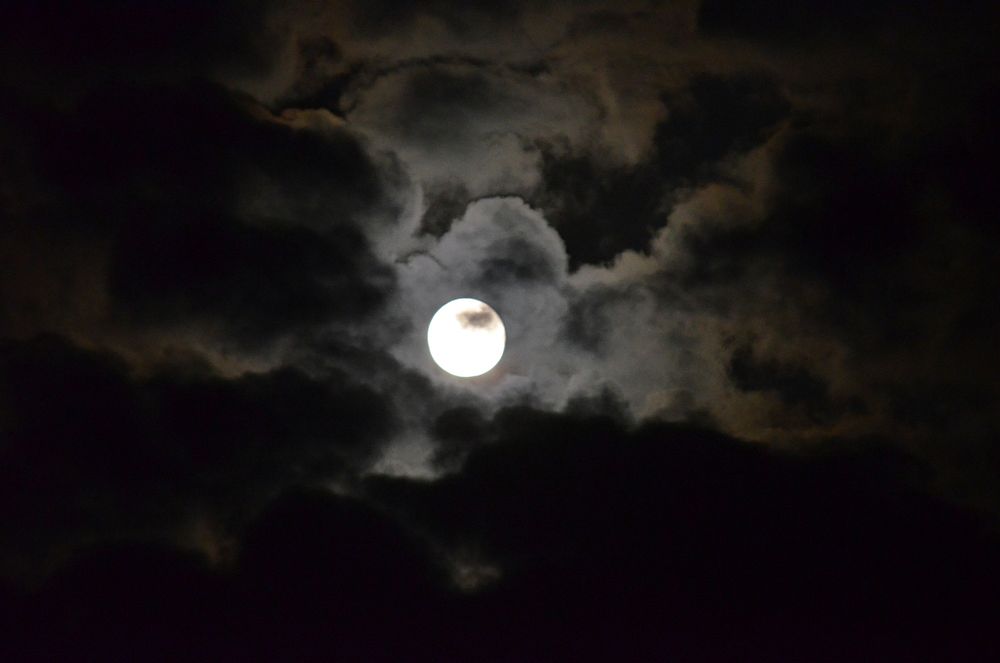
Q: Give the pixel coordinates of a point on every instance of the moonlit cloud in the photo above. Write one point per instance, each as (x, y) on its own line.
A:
(744, 255)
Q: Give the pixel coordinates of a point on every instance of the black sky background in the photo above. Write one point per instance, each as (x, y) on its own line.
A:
(745, 252)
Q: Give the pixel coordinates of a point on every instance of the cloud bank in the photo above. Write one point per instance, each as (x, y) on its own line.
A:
(745, 259)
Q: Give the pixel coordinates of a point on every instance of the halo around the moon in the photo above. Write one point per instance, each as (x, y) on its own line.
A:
(466, 337)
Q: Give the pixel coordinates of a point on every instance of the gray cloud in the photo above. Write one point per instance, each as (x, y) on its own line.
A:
(483, 319)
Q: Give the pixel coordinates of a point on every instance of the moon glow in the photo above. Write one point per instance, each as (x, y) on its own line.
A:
(466, 337)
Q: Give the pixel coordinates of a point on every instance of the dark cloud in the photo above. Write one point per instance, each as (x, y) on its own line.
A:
(247, 222)
(445, 205)
(484, 317)
(192, 144)
(670, 541)
(439, 95)
(714, 116)
(660, 541)
(604, 401)
(118, 601)
(789, 24)
(333, 574)
(588, 323)
(598, 210)
(516, 260)
(850, 218)
(322, 78)
(446, 105)
(841, 213)
(601, 209)
(386, 16)
(258, 282)
(793, 383)
(457, 431)
(91, 450)
(317, 575)
(57, 47)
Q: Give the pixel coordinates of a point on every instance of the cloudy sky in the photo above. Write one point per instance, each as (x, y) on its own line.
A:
(746, 255)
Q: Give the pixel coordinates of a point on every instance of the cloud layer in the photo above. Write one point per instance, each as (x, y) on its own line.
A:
(744, 255)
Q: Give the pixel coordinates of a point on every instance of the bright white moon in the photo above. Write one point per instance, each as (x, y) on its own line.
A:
(466, 337)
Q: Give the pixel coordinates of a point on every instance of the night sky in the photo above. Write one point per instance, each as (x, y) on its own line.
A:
(746, 254)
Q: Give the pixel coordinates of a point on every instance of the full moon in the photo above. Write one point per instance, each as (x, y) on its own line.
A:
(466, 337)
